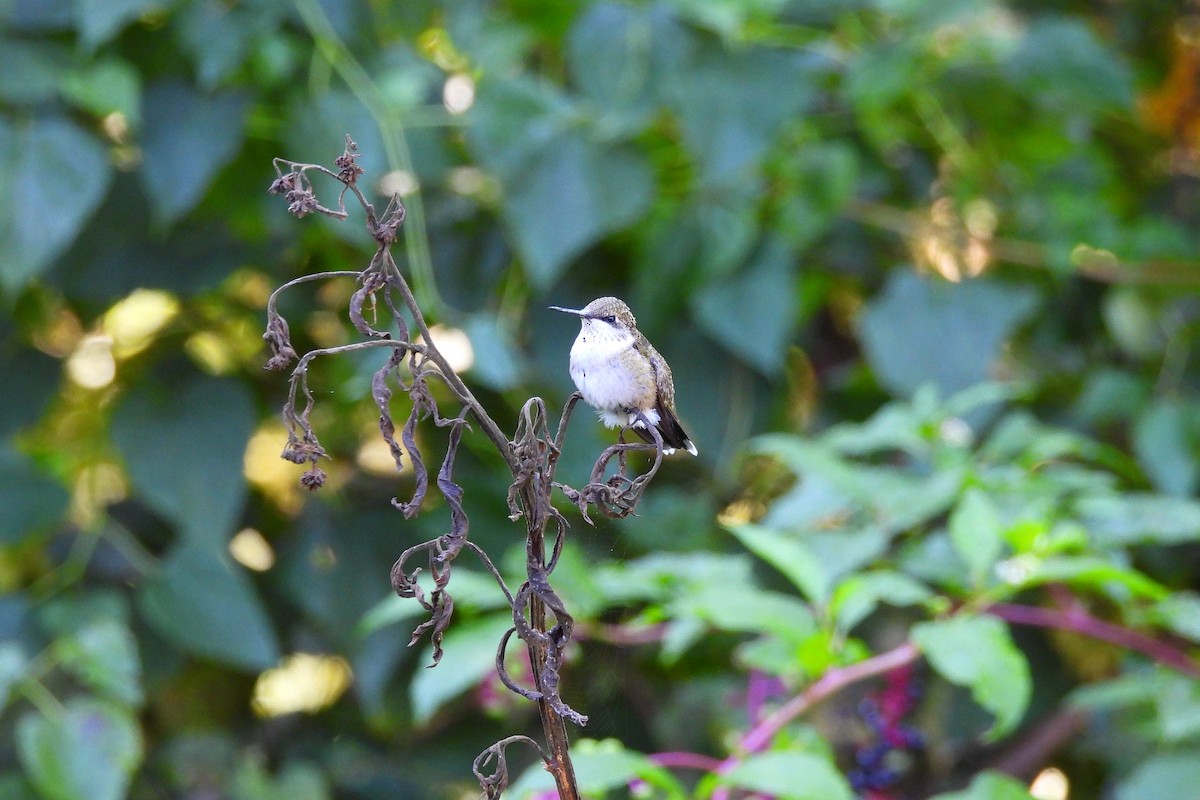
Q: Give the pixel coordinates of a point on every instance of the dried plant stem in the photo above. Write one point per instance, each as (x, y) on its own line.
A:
(540, 618)
(558, 759)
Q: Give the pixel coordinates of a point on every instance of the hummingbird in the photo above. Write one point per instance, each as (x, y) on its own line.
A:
(622, 376)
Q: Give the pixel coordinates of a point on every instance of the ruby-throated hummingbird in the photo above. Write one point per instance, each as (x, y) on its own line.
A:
(622, 376)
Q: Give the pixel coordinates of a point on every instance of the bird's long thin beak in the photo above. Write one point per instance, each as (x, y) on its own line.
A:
(577, 312)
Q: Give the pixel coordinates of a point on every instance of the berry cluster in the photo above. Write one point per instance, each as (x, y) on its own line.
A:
(881, 759)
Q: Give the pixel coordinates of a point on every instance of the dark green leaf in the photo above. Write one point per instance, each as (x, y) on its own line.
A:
(732, 103)
(609, 48)
(88, 752)
(218, 37)
(204, 605)
(188, 137)
(53, 175)
(790, 776)
(978, 653)
(753, 314)
(571, 193)
(1063, 62)
(101, 20)
(32, 502)
(32, 70)
(922, 330)
(184, 450)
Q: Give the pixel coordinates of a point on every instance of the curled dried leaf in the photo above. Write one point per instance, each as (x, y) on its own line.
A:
(278, 339)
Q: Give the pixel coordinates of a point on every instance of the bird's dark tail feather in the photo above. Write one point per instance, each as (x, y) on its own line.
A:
(672, 432)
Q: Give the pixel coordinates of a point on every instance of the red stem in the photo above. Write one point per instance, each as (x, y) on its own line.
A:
(1079, 621)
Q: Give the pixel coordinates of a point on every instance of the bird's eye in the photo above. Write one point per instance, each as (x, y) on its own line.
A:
(610, 319)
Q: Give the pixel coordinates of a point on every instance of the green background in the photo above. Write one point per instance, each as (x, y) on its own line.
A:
(944, 253)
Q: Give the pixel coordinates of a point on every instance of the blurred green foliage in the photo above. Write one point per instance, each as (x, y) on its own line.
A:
(925, 271)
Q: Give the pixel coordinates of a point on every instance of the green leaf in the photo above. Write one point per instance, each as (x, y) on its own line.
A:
(296, 781)
(976, 533)
(1062, 62)
(1162, 775)
(978, 653)
(989, 786)
(184, 447)
(218, 37)
(88, 752)
(609, 49)
(1163, 441)
(188, 137)
(601, 767)
(13, 667)
(32, 69)
(1091, 572)
(101, 20)
(105, 86)
(857, 597)
(53, 175)
(790, 776)
(787, 553)
(1118, 520)
(1180, 612)
(1178, 702)
(469, 655)
(33, 503)
(923, 330)
(731, 103)
(497, 363)
(571, 193)
(753, 314)
(206, 606)
(104, 656)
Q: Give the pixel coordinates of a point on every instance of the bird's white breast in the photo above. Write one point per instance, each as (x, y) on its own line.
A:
(599, 367)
